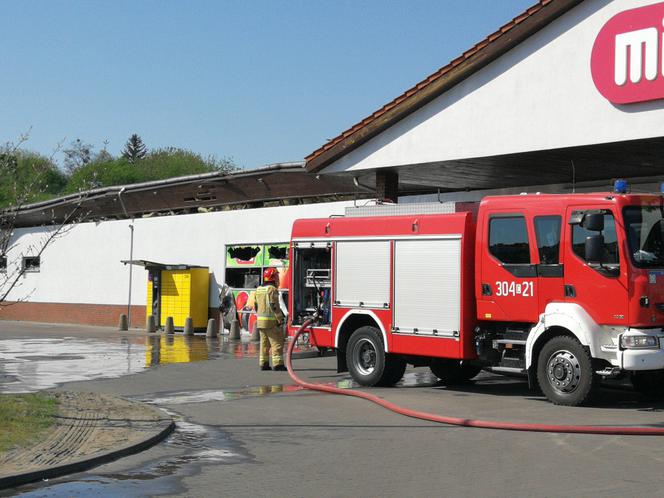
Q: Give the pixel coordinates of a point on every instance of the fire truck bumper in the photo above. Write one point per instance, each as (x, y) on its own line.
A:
(642, 360)
(642, 356)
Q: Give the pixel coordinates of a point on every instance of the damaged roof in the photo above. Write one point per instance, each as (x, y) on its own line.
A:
(276, 184)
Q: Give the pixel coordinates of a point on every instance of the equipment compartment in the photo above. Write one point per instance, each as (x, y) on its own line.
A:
(312, 281)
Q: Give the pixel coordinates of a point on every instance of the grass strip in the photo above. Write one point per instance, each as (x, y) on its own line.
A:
(24, 418)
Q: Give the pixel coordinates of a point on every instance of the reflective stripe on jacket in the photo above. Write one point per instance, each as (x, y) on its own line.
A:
(267, 307)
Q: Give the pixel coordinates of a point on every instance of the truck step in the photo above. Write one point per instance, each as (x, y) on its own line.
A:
(609, 372)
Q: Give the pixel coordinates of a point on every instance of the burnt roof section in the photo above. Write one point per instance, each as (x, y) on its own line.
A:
(471, 61)
(277, 184)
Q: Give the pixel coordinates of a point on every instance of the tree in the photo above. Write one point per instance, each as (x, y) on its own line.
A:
(156, 165)
(25, 178)
(135, 149)
(77, 155)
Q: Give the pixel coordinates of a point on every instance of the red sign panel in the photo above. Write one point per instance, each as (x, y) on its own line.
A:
(626, 61)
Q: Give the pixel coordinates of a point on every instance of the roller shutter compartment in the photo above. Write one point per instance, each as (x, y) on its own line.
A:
(427, 286)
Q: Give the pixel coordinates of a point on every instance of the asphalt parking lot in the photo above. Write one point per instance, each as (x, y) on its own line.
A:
(243, 432)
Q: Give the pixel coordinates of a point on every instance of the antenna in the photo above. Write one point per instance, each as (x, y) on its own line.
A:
(573, 176)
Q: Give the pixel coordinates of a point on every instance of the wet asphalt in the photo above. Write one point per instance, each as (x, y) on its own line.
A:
(243, 432)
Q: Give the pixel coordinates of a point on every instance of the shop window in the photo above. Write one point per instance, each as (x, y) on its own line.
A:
(610, 254)
(508, 240)
(243, 278)
(277, 252)
(244, 254)
(547, 231)
(31, 263)
(3, 264)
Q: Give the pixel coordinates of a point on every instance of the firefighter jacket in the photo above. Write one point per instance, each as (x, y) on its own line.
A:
(267, 307)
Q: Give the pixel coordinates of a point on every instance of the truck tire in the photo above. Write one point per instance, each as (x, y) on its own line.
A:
(395, 367)
(365, 356)
(453, 371)
(565, 372)
(649, 383)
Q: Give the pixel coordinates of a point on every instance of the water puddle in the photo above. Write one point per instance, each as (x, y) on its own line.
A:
(418, 379)
(189, 448)
(206, 396)
(33, 364)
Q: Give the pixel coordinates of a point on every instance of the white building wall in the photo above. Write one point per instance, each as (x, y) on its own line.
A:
(83, 265)
(538, 96)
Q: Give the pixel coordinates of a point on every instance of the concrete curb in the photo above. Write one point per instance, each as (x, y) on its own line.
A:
(87, 462)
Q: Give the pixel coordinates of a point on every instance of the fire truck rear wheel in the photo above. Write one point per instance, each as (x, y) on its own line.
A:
(394, 370)
(365, 356)
(565, 372)
(453, 371)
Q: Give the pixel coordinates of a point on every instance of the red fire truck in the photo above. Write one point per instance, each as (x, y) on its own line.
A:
(566, 289)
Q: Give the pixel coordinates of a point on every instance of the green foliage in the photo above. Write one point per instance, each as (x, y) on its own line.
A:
(27, 177)
(157, 165)
(24, 418)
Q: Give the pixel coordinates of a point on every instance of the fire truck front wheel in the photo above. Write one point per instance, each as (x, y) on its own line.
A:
(565, 372)
(367, 362)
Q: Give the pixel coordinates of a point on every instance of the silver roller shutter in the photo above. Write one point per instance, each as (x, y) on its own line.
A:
(363, 274)
(427, 286)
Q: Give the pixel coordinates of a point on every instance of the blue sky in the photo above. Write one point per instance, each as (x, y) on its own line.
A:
(259, 81)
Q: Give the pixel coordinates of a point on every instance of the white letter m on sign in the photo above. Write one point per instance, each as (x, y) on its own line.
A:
(641, 44)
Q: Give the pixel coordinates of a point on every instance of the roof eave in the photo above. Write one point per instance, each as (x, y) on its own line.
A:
(459, 69)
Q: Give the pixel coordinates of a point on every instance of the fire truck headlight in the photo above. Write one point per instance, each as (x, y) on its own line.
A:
(639, 342)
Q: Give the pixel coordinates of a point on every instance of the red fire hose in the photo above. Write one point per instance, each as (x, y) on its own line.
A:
(465, 422)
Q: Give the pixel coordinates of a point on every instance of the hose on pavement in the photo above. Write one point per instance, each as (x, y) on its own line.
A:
(463, 422)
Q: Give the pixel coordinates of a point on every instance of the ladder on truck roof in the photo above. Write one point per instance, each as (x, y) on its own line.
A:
(401, 209)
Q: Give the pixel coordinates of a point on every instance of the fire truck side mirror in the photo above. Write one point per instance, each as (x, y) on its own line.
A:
(594, 249)
(593, 222)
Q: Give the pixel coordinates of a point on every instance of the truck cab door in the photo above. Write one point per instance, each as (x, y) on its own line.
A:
(550, 269)
(508, 283)
(601, 290)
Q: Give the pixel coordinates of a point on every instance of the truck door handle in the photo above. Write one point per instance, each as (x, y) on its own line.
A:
(570, 291)
(486, 289)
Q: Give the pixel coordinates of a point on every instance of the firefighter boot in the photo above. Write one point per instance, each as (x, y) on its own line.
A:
(265, 366)
(280, 368)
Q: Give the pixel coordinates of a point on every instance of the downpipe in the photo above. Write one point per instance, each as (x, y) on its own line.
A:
(462, 422)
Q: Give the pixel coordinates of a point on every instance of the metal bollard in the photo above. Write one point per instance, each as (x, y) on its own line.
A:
(169, 327)
(189, 326)
(234, 334)
(150, 325)
(255, 335)
(212, 330)
(123, 324)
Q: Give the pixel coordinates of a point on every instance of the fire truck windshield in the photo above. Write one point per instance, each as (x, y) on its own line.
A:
(645, 235)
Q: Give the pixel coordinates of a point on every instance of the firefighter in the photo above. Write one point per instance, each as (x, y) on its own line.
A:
(270, 321)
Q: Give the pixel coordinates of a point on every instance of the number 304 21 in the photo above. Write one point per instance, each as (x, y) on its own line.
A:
(523, 289)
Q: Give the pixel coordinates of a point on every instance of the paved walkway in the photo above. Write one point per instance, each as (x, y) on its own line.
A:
(90, 429)
(245, 432)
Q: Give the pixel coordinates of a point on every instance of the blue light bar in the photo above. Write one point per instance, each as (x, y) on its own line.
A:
(620, 186)
(661, 188)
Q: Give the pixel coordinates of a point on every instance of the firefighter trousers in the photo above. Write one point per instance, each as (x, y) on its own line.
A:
(272, 338)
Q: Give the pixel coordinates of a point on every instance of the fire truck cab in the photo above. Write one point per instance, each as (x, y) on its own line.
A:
(566, 289)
